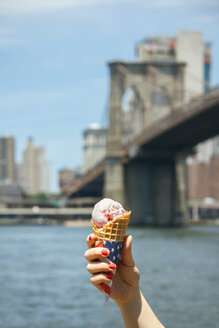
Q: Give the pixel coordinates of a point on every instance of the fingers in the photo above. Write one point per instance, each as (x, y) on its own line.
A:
(99, 267)
(102, 272)
(91, 240)
(100, 278)
(96, 253)
(126, 252)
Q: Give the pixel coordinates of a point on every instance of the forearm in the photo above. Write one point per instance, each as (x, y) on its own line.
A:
(138, 314)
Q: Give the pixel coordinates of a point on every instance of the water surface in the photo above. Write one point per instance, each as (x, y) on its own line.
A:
(44, 282)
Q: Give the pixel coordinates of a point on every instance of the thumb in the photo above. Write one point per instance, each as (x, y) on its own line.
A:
(126, 252)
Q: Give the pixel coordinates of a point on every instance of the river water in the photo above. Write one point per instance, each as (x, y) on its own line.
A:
(44, 282)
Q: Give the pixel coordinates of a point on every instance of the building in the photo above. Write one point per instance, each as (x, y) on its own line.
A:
(188, 47)
(43, 170)
(208, 149)
(7, 159)
(159, 48)
(95, 138)
(34, 171)
(10, 192)
(66, 178)
(203, 179)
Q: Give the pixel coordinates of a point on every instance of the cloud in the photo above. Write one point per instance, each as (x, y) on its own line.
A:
(15, 7)
(22, 7)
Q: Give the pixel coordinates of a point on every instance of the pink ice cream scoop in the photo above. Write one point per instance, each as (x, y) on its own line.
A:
(106, 210)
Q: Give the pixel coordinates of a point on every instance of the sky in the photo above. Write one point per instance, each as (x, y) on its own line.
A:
(54, 78)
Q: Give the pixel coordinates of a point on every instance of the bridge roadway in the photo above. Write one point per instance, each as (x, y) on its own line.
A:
(184, 127)
(180, 130)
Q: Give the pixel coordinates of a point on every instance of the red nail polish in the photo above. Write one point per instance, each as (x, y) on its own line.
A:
(110, 276)
(112, 266)
(104, 252)
(90, 237)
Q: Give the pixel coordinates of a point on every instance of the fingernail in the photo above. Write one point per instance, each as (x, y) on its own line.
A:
(104, 252)
(110, 276)
(90, 237)
(112, 266)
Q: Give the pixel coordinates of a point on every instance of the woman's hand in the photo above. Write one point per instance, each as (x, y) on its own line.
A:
(134, 308)
(126, 280)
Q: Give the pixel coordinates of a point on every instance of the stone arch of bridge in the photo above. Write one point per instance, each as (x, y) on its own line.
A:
(132, 113)
(147, 80)
(161, 102)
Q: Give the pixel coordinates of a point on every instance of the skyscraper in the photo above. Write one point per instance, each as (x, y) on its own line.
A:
(7, 161)
(43, 170)
(34, 169)
(95, 138)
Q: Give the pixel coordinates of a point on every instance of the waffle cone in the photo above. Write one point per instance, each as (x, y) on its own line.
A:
(114, 230)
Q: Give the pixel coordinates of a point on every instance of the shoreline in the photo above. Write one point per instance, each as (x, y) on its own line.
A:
(44, 222)
(86, 223)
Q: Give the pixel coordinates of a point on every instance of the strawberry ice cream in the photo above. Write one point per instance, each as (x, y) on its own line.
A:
(105, 211)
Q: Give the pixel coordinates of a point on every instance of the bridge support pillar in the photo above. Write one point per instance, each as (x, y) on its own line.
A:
(156, 191)
(181, 195)
(114, 185)
(114, 180)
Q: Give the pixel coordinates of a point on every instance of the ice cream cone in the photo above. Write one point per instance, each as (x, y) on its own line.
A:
(111, 236)
(114, 230)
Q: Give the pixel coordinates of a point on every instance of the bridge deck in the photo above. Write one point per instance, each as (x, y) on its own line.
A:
(182, 129)
(185, 127)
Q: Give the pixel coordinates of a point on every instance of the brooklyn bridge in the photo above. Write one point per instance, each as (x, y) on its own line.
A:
(145, 165)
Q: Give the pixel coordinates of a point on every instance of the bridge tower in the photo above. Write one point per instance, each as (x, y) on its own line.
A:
(150, 181)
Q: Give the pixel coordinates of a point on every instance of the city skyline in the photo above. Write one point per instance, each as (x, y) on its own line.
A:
(54, 63)
(32, 173)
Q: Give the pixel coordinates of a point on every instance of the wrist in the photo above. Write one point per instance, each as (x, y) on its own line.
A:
(132, 301)
(137, 313)
(131, 309)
